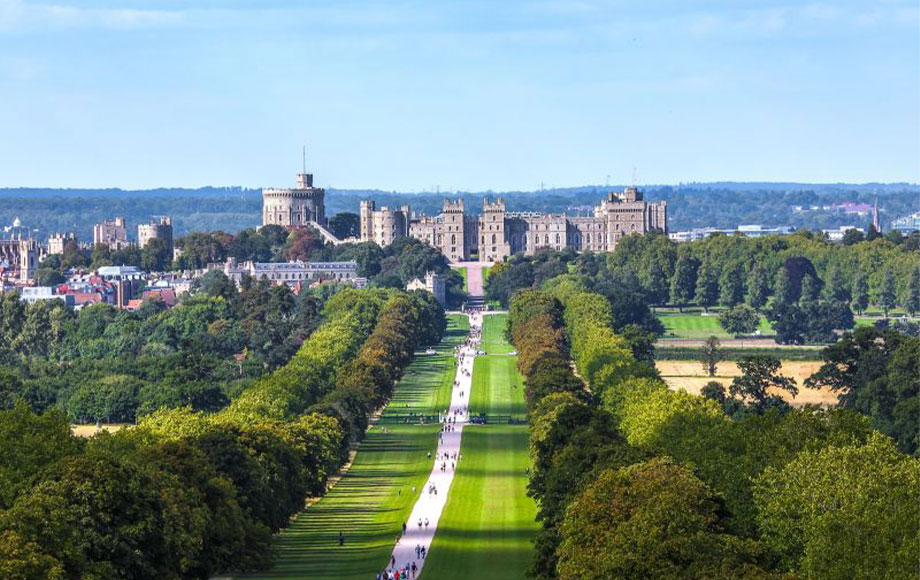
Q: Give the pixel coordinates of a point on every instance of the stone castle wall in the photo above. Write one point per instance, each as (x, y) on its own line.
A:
(497, 233)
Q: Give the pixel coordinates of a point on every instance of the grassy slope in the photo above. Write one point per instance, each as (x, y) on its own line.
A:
(488, 524)
(370, 503)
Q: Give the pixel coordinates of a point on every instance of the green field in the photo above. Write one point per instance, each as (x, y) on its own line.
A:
(370, 503)
(695, 325)
(488, 524)
(493, 334)
(498, 388)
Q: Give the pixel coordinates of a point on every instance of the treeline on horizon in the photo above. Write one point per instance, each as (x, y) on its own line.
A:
(233, 209)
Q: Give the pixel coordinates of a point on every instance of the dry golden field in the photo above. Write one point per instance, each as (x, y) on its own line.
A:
(90, 430)
(689, 375)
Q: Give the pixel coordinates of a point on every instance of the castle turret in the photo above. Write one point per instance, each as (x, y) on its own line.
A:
(295, 207)
(28, 259)
(453, 242)
(493, 243)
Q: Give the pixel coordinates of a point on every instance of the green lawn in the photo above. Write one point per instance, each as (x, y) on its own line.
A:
(370, 503)
(695, 325)
(488, 525)
(493, 334)
(498, 388)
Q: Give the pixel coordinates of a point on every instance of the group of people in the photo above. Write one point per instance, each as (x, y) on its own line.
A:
(394, 573)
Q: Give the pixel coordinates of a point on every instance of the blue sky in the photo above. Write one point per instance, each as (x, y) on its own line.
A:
(460, 94)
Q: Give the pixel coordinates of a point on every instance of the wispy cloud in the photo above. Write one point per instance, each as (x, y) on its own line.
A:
(772, 20)
(18, 15)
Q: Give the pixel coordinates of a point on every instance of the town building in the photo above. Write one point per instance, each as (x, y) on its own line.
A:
(57, 241)
(300, 206)
(907, 224)
(748, 230)
(112, 233)
(836, 235)
(33, 294)
(158, 228)
(128, 282)
(431, 283)
(497, 233)
(294, 273)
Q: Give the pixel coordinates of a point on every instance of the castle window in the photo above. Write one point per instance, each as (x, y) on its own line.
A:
(557, 238)
(453, 238)
(493, 239)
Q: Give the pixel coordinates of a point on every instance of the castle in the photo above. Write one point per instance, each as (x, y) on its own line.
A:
(497, 233)
(490, 237)
(301, 206)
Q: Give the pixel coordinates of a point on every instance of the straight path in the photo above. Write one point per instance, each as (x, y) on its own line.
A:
(423, 521)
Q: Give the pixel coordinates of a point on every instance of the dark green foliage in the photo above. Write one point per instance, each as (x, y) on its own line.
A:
(28, 444)
(523, 272)
(759, 373)
(739, 320)
(877, 372)
(683, 283)
(345, 225)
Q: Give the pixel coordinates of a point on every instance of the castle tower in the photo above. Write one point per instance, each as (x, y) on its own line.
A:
(157, 228)
(367, 220)
(493, 242)
(294, 207)
(453, 241)
(28, 259)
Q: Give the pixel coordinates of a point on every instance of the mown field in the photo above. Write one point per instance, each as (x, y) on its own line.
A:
(699, 325)
(493, 334)
(369, 504)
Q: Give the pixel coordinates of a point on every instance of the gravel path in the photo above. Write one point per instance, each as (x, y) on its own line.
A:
(430, 504)
(474, 279)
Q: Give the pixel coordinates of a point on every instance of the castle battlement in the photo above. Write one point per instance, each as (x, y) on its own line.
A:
(296, 206)
(497, 233)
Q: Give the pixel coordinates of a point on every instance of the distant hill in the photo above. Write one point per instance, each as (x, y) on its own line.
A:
(720, 204)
